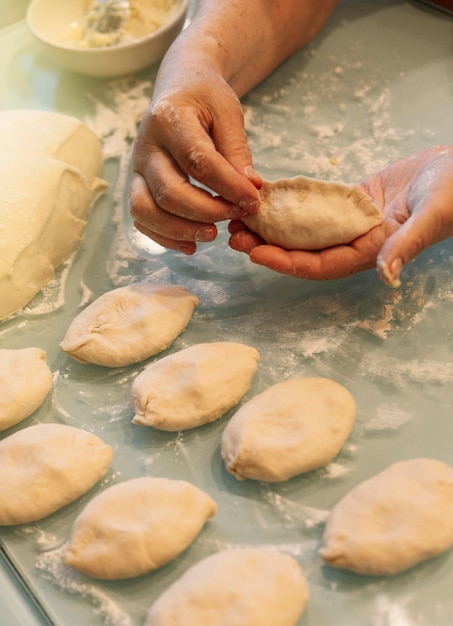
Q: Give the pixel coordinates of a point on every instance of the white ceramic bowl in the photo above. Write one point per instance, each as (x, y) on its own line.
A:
(52, 21)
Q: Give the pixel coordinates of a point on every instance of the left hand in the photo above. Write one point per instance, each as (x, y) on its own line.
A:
(415, 195)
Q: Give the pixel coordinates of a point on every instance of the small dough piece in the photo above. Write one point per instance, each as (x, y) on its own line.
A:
(193, 386)
(392, 521)
(45, 467)
(303, 213)
(49, 177)
(129, 324)
(290, 428)
(25, 381)
(236, 587)
(137, 526)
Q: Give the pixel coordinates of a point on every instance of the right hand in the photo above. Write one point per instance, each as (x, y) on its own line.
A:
(194, 128)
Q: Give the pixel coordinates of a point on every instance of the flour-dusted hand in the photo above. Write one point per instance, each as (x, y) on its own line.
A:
(415, 195)
(194, 130)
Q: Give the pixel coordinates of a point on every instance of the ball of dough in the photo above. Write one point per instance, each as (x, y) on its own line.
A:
(303, 213)
(193, 386)
(129, 324)
(392, 521)
(136, 526)
(290, 428)
(45, 467)
(25, 381)
(49, 168)
(236, 587)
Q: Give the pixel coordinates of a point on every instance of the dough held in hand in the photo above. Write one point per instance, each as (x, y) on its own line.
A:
(236, 587)
(136, 526)
(303, 213)
(45, 467)
(193, 386)
(290, 428)
(392, 521)
(129, 324)
(49, 168)
(25, 381)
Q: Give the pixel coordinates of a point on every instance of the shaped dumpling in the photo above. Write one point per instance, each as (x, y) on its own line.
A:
(25, 381)
(193, 386)
(136, 526)
(303, 213)
(129, 324)
(392, 521)
(290, 428)
(45, 467)
(240, 586)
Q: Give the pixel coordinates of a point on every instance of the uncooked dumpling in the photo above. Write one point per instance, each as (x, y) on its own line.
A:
(303, 213)
(129, 324)
(193, 386)
(392, 521)
(45, 467)
(25, 381)
(49, 168)
(236, 587)
(290, 428)
(136, 526)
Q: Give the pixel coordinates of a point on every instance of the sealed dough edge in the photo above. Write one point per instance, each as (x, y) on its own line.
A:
(49, 176)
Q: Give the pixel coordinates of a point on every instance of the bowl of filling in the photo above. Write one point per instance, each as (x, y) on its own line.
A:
(106, 37)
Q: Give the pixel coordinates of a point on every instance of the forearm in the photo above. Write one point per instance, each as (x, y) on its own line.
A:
(245, 40)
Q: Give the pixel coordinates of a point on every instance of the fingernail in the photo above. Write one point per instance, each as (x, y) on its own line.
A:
(248, 205)
(205, 234)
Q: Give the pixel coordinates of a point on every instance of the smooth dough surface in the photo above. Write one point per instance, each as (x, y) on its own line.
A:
(49, 177)
(193, 386)
(136, 526)
(303, 213)
(292, 427)
(25, 381)
(236, 587)
(129, 324)
(45, 467)
(392, 521)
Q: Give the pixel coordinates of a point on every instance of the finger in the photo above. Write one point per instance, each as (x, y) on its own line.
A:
(244, 240)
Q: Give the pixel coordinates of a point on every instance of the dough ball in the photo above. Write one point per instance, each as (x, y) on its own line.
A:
(236, 587)
(25, 381)
(49, 168)
(45, 467)
(392, 521)
(136, 526)
(307, 214)
(129, 324)
(193, 386)
(290, 428)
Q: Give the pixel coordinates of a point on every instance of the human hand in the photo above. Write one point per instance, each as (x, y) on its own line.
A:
(193, 128)
(415, 195)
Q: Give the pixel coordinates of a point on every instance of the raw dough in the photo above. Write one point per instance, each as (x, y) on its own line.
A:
(49, 167)
(392, 521)
(45, 467)
(129, 324)
(307, 214)
(236, 587)
(193, 386)
(25, 381)
(290, 428)
(136, 526)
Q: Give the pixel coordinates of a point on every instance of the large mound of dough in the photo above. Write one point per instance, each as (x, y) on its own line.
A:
(236, 587)
(136, 526)
(129, 324)
(49, 168)
(193, 386)
(25, 381)
(45, 467)
(303, 213)
(290, 428)
(392, 521)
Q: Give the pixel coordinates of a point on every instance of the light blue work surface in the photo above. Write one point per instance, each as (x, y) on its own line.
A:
(376, 85)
